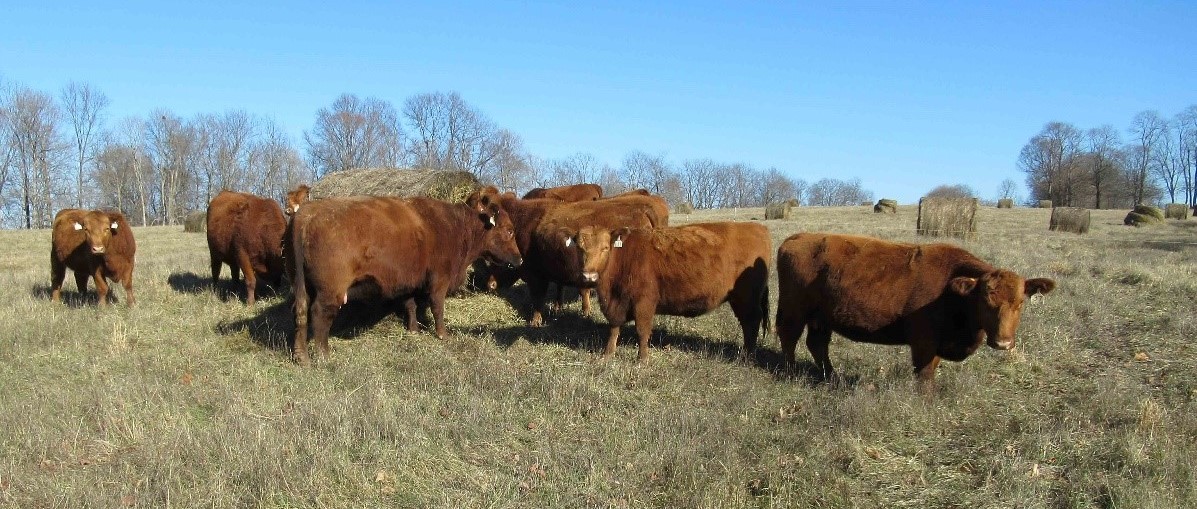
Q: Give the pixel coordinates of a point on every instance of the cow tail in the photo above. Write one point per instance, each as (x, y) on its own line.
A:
(765, 312)
(294, 237)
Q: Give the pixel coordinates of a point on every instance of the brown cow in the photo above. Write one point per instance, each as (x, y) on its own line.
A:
(680, 271)
(938, 298)
(537, 223)
(571, 193)
(296, 198)
(92, 243)
(246, 232)
(359, 247)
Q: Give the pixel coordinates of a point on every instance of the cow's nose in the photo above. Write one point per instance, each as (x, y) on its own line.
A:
(97, 249)
(518, 262)
(590, 277)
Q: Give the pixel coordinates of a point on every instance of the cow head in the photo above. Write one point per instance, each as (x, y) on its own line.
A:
(499, 245)
(98, 227)
(295, 198)
(596, 245)
(994, 304)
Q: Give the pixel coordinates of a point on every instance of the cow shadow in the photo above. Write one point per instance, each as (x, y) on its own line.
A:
(225, 289)
(72, 298)
(273, 326)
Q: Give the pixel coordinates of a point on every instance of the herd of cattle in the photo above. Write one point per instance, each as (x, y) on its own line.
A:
(937, 298)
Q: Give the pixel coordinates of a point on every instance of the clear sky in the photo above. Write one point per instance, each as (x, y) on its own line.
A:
(903, 95)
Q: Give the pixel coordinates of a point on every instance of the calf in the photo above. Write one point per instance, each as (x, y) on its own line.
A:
(360, 247)
(92, 243)
(246, 233)
(938, 298)
(682, 271)
(295, 198)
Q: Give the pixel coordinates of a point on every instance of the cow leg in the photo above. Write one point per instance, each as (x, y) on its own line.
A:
(216, 263)
(409, 305)
(251, 279)
(57, 275)
(438, 312)
(127, 282)
(644, 312)
(559, 303)
(101, 285)
(537, 289)
(585, 293)
(612, 340)
(748, 313)
(817, 341)
(81, 282)
(925, 363)
(322, 314)
(789, 330)
(299, 345)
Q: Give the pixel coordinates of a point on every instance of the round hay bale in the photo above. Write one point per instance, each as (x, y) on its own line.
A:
(196, 222)
(886, 205)
(1136, 219)
(955, 217)
(777, 211)
(1005, 203)
(451, 186)
(1045, 204)
(1070, 219)
(793, 202)
(1148, 210)
(1176, 211)
(683, 208)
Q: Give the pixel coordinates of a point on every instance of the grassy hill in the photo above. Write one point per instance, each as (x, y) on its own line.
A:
(190, 400)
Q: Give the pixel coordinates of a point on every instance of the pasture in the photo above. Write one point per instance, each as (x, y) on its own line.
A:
(190, 399)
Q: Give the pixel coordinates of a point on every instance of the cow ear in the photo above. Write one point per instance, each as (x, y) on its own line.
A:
(962, 285)
(78, 226)
(567, 235)
(1038, 285)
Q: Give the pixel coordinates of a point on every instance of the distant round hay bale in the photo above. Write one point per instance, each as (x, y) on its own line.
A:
(1070, 219)
(886, 205)
(1005, 203)
(954, 217)
(1137, 219)
(1045, 204)
(683, 208)
(777, 210)
(792, 202)
(451, 186)
(196, 222)
(1148, 210)
(1176, 211)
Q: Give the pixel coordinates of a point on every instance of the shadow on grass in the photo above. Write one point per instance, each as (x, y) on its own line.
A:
(273, 327)
(72, 298)
(192, 283)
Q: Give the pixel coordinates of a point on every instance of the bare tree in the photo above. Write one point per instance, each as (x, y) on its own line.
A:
(84, 107)
(775, 187)
(1007, 189)
(1102, 144)
(224, 146)
(951, 191)
(1186, 133)
(699, 183)
(33, 132)
(511, 167)
(830, 192)
(1146, 130)
(450, 134)
(275, 163)
(1166, 165)
(172, 145)
(652, 172)
(355, 133)
(1048, 160)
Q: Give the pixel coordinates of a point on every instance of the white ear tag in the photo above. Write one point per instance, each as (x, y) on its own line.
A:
(492, 220)
(114, 225)
(78, 226)
(618, 241)
(569, 241)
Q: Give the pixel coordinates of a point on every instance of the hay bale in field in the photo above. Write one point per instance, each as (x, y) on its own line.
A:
(196, 222)
(683, 208)
(1176, 211)
(792, 202)
(1137, 219)
(777, 210)
(1045, 204)
(452, 186)
(886, 205)
(955, 217)
(1070, 219)
(1148, 210)
(1005, 203)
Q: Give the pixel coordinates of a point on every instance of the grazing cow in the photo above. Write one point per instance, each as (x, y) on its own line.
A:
(572, 193)
(938, 298)
(681, 271)
(547, 260)
(92, 243)
(361, 247)
(246, 232)
(295, 198)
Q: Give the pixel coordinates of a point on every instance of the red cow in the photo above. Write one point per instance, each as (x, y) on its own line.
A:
(938, 298)
(246, 233)
(295, 198)
(571, 193)
(359, 247)
(681, 271)
(92, 243)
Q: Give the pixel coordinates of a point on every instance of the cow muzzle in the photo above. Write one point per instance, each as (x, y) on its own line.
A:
(590, 277)
(1000, 343)
(97, 249)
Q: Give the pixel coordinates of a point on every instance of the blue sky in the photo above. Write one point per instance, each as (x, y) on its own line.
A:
(903, 95)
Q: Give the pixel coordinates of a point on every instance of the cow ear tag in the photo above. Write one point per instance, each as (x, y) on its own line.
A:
(569, 241)
(618, 241)
(114, 225)
(78, 226)
(492, 220)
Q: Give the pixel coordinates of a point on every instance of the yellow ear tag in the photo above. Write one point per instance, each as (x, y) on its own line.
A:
(618, 241)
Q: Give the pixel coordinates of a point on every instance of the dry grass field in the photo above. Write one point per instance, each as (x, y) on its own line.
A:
(190, 400)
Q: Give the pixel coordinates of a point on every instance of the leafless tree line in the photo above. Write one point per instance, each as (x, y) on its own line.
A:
(62, 151)
(1096, 168)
